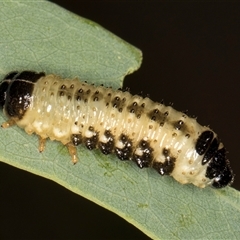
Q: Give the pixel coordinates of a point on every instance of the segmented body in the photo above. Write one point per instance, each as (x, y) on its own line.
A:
(134, 128)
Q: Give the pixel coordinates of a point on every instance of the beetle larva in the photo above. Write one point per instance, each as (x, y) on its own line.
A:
(114, 121)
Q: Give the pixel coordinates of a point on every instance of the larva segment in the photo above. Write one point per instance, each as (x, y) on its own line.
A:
(134, 128)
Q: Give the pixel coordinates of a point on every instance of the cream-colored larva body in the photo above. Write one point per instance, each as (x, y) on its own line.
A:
(54, 116)
(146, 132)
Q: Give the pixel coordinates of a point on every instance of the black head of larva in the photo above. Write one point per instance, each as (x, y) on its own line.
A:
(16, 90)
(4, 86)
(218, 168)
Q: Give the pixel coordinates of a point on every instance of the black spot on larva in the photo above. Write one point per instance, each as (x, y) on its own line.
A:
(146, 156)
(219, 170)
(29, 76)
(157, 116)
(167, 166)
(164, 168)
(107, 98)
(187, 135)
(79, 95)
(107, 147)
(97, 96)
(116, 102)
(203, 142)
(136, 109)
(165, 152)
(125, 152)
(179, 125)
(119, 103)
(63, 86)
(91, 142)
(76, 139)
(211, 151)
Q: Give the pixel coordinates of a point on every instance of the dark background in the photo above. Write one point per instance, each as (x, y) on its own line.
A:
(191, 57)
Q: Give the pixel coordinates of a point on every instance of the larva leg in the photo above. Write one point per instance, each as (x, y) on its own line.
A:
(8, 123)
(73, 152)
(42, 142)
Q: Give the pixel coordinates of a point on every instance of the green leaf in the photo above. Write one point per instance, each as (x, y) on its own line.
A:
(41, 36)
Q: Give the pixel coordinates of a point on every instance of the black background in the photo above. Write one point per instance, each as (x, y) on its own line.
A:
(191, 57)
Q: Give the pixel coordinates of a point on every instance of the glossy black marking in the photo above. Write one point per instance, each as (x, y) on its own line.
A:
(107, 148)
(107, 99)
(97, 96)
(63, 86)
(116, 102)
(157, 116)
(146, 158)
(203, 142)
(179, 125)
(136, 109)
(15, 95)
(11, 75)
(124, 153)
(61, 93)
(211, 151)
(3, 89)
(166, 167)
(80, 95)
(29, 76)
(219, 170)
(18, 98)
(91, 143)
(187, 135)
(122, 104)
(76, 139)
